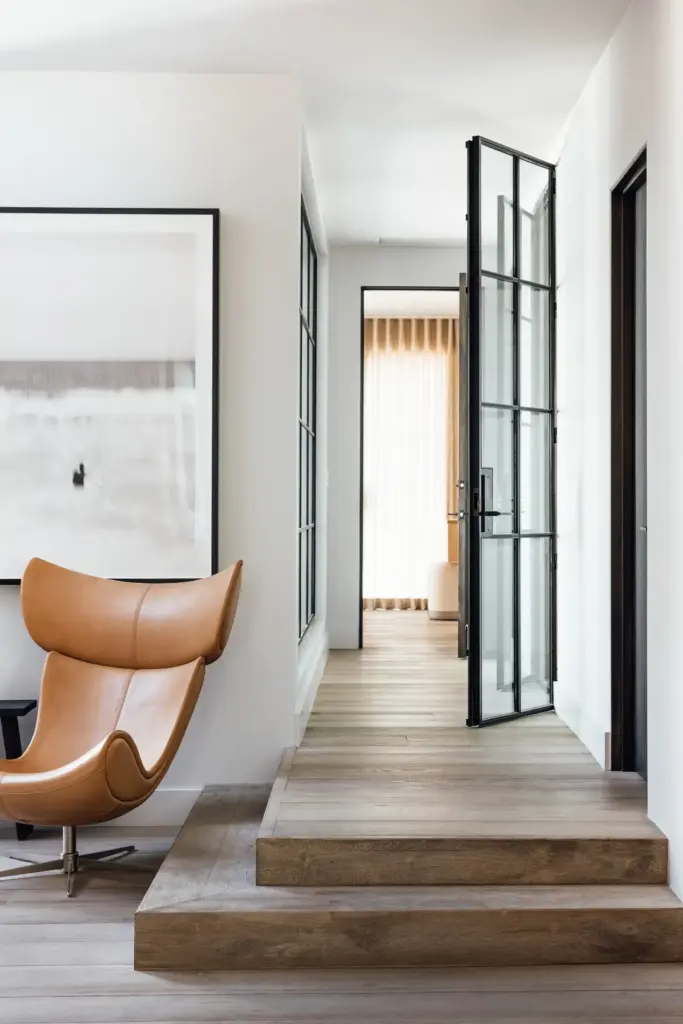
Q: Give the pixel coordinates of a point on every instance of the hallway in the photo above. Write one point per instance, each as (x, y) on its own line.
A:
(395, 836)
(387, 754)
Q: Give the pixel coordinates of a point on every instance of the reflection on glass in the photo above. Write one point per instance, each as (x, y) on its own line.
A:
(496, 341)
(303, 611)
(534, 473)
(310, 478)
(497, 468)
(496, 211)
(534, 348)
(497, 628)
(304, 280)
(310, 560)
(303, 391)
(534, 184)
(535, 622)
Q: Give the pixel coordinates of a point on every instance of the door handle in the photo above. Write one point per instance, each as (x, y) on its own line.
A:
(483, 512)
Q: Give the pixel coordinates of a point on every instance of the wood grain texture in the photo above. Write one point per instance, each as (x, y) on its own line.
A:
(390, 788)
(230, 922)
(463, 861)
(80, 972)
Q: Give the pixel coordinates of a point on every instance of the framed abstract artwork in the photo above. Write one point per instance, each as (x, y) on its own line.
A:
(109, 391)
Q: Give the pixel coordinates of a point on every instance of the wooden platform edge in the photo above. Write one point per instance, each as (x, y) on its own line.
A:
(195, 940)
(187, 867)
(275, 799)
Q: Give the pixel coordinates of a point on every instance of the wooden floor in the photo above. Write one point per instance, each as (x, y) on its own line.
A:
(70, 962)
(415, 844)
(387, 756)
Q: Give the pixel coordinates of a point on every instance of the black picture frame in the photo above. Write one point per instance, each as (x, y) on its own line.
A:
(213, 214)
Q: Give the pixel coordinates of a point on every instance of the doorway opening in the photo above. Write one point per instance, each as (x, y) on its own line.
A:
(628, 747)
(409, 462)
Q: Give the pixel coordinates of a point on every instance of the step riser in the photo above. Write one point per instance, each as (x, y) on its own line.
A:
(479, 938)
(334, 862)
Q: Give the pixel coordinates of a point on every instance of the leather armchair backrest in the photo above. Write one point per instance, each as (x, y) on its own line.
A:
(129, 625)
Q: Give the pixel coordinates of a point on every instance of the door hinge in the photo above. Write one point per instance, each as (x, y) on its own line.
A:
(467, 638)
(554, 435)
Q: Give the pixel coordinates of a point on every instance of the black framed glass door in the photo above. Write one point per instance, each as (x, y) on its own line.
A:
(511, 426)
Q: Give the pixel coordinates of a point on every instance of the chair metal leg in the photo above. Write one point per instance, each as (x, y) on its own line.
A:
(71, 863)
(69, 857)
(31, 868)
(117, 852)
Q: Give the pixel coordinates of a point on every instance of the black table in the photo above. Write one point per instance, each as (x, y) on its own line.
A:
(10, 713)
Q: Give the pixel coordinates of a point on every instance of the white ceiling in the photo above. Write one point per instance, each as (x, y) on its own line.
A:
(393, 88)
(401, 302)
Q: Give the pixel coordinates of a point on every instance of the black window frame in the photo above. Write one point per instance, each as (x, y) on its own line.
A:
(308, 413)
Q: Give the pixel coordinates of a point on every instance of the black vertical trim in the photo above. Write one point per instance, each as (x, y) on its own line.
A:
(362, 467)
(623, 471)
(552, 370)
(516, 398)
(474, 403)
(215, 392)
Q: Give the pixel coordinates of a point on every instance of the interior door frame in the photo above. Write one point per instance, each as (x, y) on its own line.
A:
(474, 278)
(623, 466)
(376, 288)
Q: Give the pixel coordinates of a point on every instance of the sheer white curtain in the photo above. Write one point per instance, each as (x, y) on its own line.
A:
(405, 457)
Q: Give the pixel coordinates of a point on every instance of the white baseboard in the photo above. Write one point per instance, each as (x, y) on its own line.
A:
(164, 807)
(312, 661)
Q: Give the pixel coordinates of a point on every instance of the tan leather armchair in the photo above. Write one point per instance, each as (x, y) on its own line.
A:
(124, 669)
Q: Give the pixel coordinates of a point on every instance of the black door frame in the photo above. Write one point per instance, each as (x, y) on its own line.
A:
(376, 288)
(476, 497)
(623, 465)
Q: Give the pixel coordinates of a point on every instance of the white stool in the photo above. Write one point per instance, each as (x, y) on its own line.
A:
(442, 594)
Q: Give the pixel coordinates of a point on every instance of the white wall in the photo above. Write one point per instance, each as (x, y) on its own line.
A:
(635, 96)
(665, 429)
(351, 268)
(609, 126)
(232, 142)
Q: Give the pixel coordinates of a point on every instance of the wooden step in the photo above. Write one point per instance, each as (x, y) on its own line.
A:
(204, 911)
(474, 860)
(561, 831)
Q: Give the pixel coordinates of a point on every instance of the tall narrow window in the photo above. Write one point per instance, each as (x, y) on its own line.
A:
(308, 394)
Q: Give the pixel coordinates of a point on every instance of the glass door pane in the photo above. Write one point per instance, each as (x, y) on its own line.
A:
(497, 628)
(511, 419)
(535, 622)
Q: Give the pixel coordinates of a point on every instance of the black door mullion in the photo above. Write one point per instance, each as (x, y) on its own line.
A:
(516, 259)
(552, 369)
(474, 427)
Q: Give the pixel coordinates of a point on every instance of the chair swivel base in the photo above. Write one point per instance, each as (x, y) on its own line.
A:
(71, 863)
